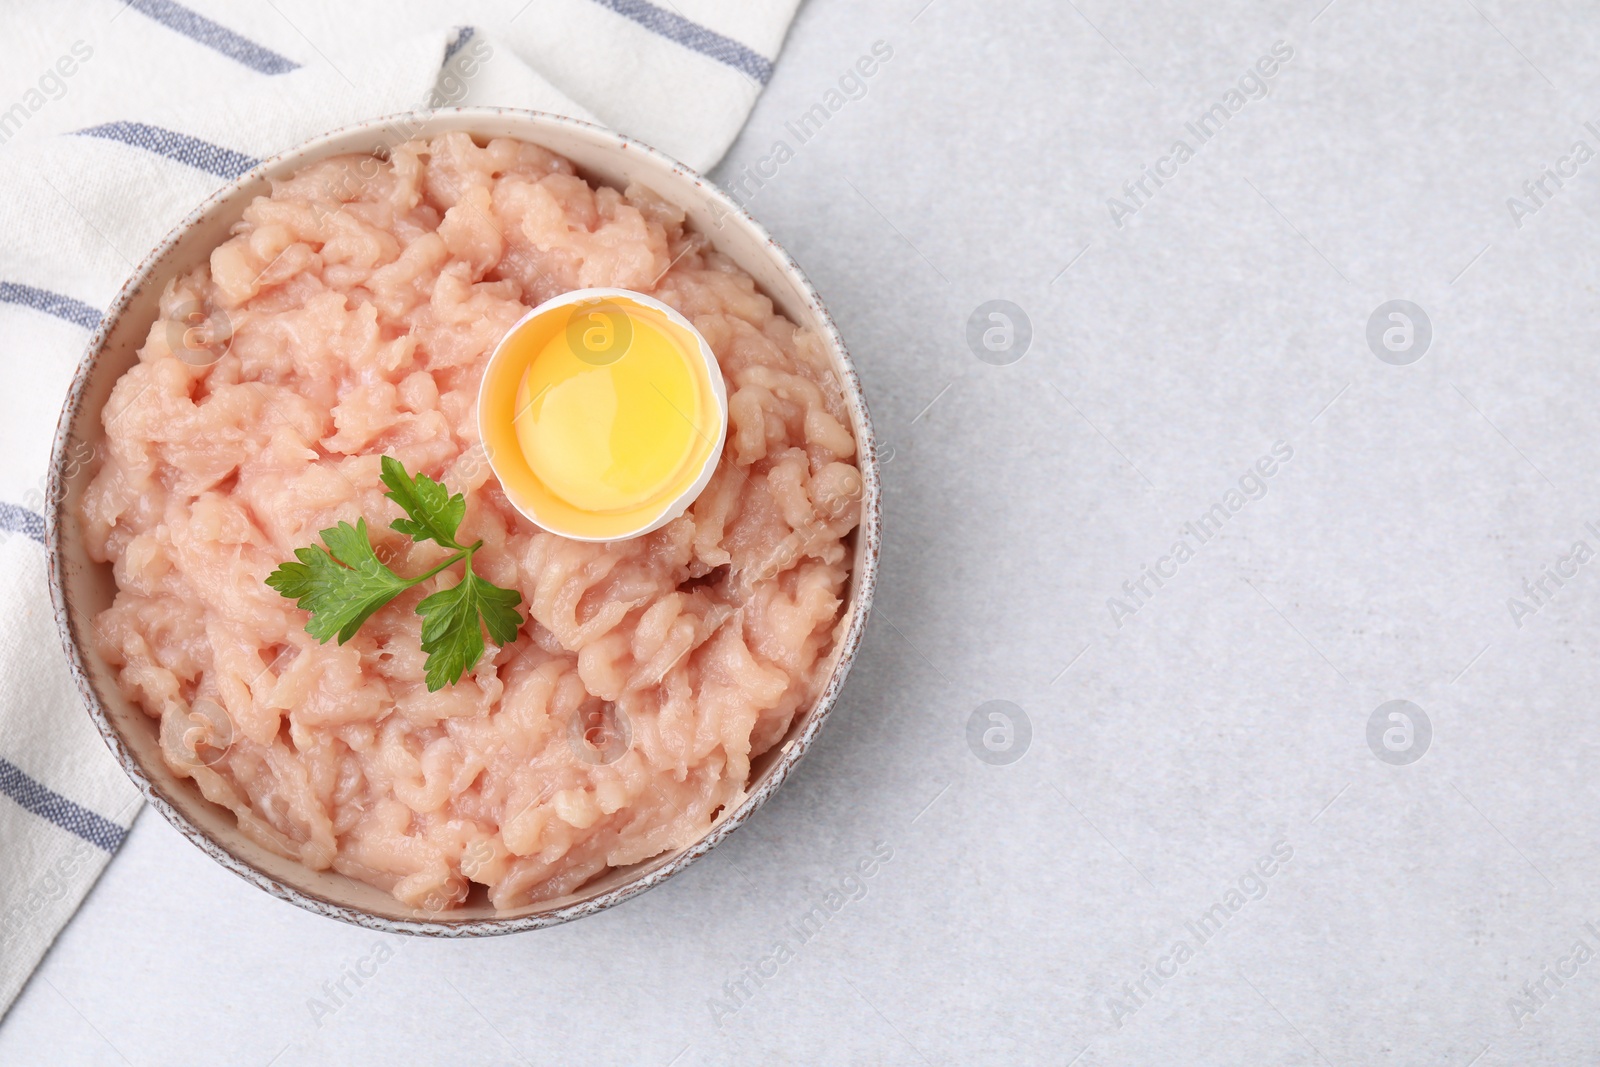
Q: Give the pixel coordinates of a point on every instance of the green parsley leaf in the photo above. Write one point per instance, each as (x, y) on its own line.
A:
(434, 515)
(451, 634)
(342, 585)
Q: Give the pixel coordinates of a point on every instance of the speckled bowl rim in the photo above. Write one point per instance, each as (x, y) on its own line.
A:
(862, 582)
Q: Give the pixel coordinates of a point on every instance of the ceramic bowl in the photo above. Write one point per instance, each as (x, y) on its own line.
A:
(81, 588)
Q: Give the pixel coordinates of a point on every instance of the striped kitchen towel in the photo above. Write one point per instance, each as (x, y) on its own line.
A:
(125, 114)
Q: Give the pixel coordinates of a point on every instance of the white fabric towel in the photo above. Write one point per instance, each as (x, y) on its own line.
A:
(118, 117)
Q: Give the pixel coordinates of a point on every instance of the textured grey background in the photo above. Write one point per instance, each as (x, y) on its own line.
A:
(1170, 754)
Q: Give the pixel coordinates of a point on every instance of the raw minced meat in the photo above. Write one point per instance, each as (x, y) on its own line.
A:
(349, 317)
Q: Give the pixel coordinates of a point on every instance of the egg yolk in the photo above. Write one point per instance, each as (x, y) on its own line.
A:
(614, 431)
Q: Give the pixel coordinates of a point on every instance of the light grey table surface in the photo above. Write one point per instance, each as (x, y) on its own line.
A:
(1176, 750)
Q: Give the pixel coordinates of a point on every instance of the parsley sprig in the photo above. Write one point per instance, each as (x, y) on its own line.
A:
(343, 583)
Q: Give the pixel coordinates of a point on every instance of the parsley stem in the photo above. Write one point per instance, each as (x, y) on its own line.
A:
(464, 554)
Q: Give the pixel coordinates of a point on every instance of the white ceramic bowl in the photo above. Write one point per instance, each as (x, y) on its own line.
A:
(80, 588)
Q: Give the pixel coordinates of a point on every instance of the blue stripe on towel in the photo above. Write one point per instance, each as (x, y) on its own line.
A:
(201, 155)
(692, 35)
(47, 804)
(214, 36)
(17, 519)
(62, 307)
(463, 35)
